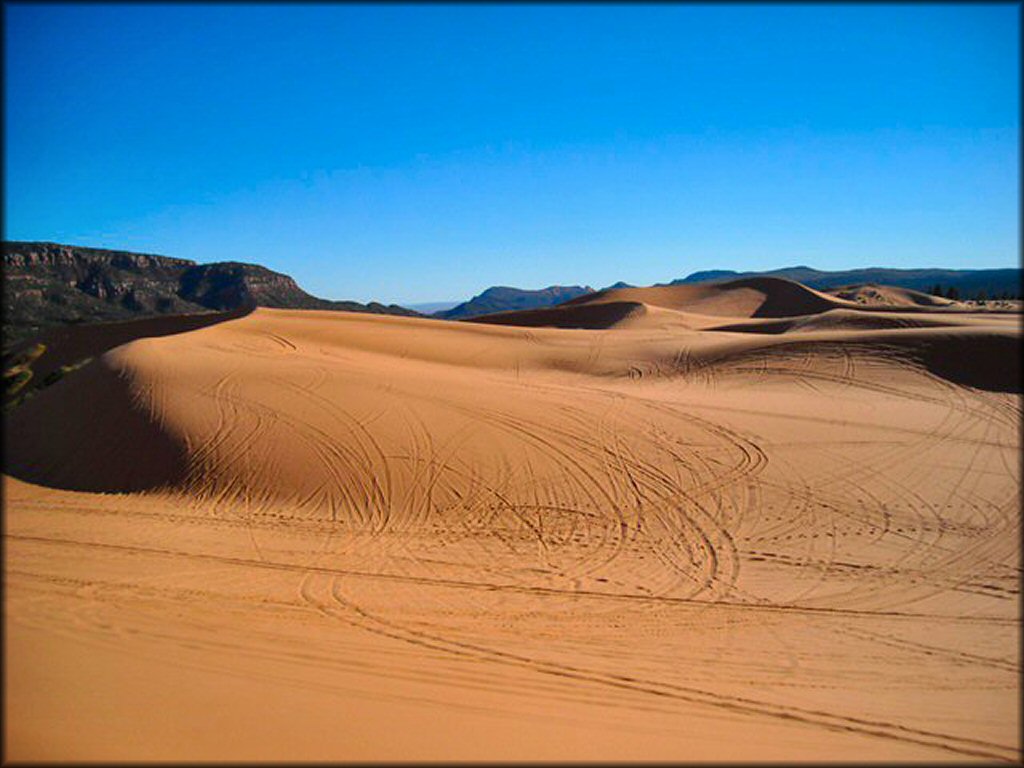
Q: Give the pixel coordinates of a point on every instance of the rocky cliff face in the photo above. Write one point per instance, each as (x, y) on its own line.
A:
(20, 254)
(231, 284)
(48, 284)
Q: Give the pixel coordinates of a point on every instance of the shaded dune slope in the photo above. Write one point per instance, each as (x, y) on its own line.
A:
(784, 298)
(596, 316)
(94, 431)
(840, 319)
(985, 359)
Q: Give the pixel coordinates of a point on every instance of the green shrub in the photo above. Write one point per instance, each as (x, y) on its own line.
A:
(56, 375)
(25, 358)
(15, 380)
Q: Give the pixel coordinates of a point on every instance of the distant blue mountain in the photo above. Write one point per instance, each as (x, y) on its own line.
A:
(708, 274)
(502, 299)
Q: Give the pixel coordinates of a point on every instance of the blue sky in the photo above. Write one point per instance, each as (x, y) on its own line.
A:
(409, 154)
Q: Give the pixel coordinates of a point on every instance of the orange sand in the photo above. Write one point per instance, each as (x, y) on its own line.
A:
(741, 523)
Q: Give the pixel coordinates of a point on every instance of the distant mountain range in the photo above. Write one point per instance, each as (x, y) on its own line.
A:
(47, 284)
(504, 299)
(968, 282)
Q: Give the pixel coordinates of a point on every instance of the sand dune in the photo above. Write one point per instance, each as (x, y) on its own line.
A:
(694, 306)
(703, 305)
(744, 297)
(889, 296)
(644, 533)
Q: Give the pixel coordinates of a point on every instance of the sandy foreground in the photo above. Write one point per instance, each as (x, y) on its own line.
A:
(306, 535)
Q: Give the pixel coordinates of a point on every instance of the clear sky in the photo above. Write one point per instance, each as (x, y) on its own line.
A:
(418, 153)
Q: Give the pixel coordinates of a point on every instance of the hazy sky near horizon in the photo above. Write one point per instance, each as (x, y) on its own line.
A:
(410, 154)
